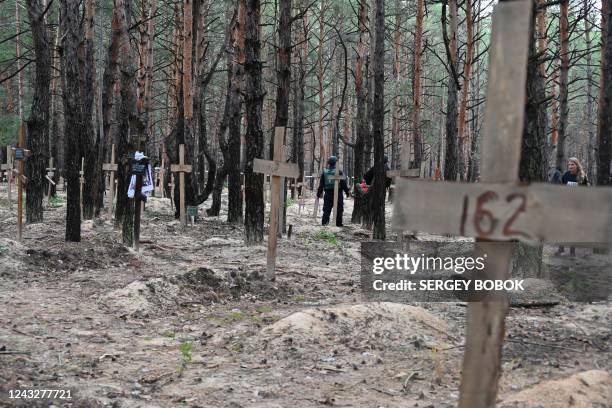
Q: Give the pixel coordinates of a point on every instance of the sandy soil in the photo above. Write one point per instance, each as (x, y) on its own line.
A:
(189, 322)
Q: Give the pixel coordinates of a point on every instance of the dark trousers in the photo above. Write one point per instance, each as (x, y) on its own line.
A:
(328, 204)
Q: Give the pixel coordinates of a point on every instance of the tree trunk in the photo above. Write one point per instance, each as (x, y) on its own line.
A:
(416, 91)
(18, 58)
(360, 203)
(395, 119)
(590, 98)
(38, 123)
(377, 192)
(236, 80)
(604, 130)
(253, 98)
(87, 78)
(563, 83)
(451, 155)
(527, 261)
(467, 75)
(298, 98)
(75, 131)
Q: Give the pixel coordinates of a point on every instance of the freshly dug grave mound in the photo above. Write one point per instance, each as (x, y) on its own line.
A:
(200, 286)
(355, 325)
(588, 389)
(538, 292)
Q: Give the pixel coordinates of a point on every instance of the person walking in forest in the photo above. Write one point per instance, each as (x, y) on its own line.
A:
(574, 176)
(326, 184)
(368, 178)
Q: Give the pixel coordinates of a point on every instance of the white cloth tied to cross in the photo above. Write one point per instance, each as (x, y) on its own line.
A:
(147, 180)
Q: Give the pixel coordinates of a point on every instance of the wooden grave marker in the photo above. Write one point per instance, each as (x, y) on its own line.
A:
(8, 168)
(181, 168)
(500, 208)
(277, 169)
(20, 154)
(111, 168)
(161, 175)
(49, 176)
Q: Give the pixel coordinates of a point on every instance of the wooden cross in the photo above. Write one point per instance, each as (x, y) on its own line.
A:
(277, 169)
(8, 168)
(337, 178)
(20, 154)
(49, 176)
(111, 168)
(181, 168)
(499, 208)
(81, 183)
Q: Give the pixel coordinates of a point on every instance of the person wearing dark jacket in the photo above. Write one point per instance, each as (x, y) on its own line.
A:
(369, 176)
(327, 185)
(575, 174)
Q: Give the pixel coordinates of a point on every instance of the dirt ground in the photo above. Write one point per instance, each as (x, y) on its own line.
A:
(189, 322)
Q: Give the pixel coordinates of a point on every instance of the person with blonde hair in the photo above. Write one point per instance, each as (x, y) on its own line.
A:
(575, 174)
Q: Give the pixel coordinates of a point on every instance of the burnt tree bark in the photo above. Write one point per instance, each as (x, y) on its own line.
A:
(362, 127)
(38, 122)
(75, 131)
(377, 191)
(87, 78)
(253, 101)
(563, 83)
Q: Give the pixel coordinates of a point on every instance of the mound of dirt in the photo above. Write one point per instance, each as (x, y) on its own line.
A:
(537, 292)
(200, 286)
(583, 390)
(373, 323)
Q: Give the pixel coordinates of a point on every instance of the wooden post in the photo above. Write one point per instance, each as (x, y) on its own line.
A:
(277, 169)
(81, 183)
(20, 155)
(162, 173)
(181, 168)
(8, 168)
(49, 176)
(111, 168)
(171, 187)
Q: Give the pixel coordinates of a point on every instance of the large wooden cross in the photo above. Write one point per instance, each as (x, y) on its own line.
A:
(499, 208)
(277, 169)
(8, 168)
(111, 168)
(49, 176)
(181, 168)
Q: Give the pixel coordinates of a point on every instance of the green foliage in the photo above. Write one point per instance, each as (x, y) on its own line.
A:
(326, 235)
(185, 349)
(289, 202)
(56, 201)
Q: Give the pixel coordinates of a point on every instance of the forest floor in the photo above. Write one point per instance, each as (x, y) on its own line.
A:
(189, 322)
